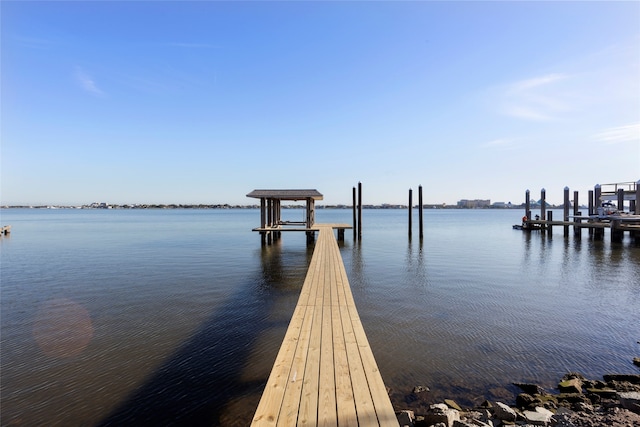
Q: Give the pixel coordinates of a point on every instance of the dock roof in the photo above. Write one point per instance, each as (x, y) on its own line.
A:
(286, 194)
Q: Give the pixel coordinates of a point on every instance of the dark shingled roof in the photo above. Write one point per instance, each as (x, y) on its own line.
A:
(286, 194)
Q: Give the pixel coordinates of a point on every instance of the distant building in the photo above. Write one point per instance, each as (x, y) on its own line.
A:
(474, 204)
(501, 205)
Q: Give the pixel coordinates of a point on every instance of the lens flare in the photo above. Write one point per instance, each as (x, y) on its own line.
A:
(62, 328)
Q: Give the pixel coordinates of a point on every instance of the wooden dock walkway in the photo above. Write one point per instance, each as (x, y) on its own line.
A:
(325, 373)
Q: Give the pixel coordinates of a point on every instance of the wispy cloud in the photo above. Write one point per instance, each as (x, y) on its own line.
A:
(536, 98)
(535, 82)
(616, 135)
(87, 83)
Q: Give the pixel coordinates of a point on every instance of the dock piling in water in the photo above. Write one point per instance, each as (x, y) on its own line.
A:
(420, 210)
(359, 210)
(355, 216)
(576, 230)
(410, 210)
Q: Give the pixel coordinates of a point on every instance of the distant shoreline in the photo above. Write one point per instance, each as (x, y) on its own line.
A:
(227, 206)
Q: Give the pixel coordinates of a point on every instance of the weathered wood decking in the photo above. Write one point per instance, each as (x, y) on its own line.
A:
(325, 373)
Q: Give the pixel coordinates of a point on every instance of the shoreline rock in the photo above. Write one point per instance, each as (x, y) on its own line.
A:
(577, 402)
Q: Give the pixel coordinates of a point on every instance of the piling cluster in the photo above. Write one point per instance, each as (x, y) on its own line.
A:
(602, 213)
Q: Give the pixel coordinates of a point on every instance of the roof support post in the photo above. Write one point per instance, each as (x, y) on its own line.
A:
(310, 212)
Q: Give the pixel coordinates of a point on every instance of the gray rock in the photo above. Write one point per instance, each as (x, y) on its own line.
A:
(540, 416)
(406, 418)
(504, 412)
(631, 401)
(441, 413)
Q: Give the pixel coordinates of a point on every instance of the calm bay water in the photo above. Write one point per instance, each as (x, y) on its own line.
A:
(174, 317)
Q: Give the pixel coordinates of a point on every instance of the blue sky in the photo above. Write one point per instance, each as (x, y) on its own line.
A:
(202, 102)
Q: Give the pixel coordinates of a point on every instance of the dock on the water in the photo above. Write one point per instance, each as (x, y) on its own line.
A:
(325, 373)
(602, 212)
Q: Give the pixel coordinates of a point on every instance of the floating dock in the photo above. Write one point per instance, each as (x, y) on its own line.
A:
(325, 373)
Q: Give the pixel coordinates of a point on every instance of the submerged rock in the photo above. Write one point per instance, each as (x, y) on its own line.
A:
(529, 388)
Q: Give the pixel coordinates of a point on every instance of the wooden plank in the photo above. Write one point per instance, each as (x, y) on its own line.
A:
(346, 405)
(308, 414)
(384, 409)
(308, 411)
(327, 387)
(291, 399)
(365, 407)
(268, 409)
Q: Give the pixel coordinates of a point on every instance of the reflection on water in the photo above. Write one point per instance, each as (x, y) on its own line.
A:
(176, 317)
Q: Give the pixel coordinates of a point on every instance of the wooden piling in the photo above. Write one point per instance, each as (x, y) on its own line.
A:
(410, 209)
(565, 209)
(591, 209)
(637, 200)
(355, 217)
(621, 199)
(543, 206)
(598, 233)
(527, 205)
(549, 226)
(420, 216)
(577, 231)
(359, 210)
(616, 233)
(597, 194)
